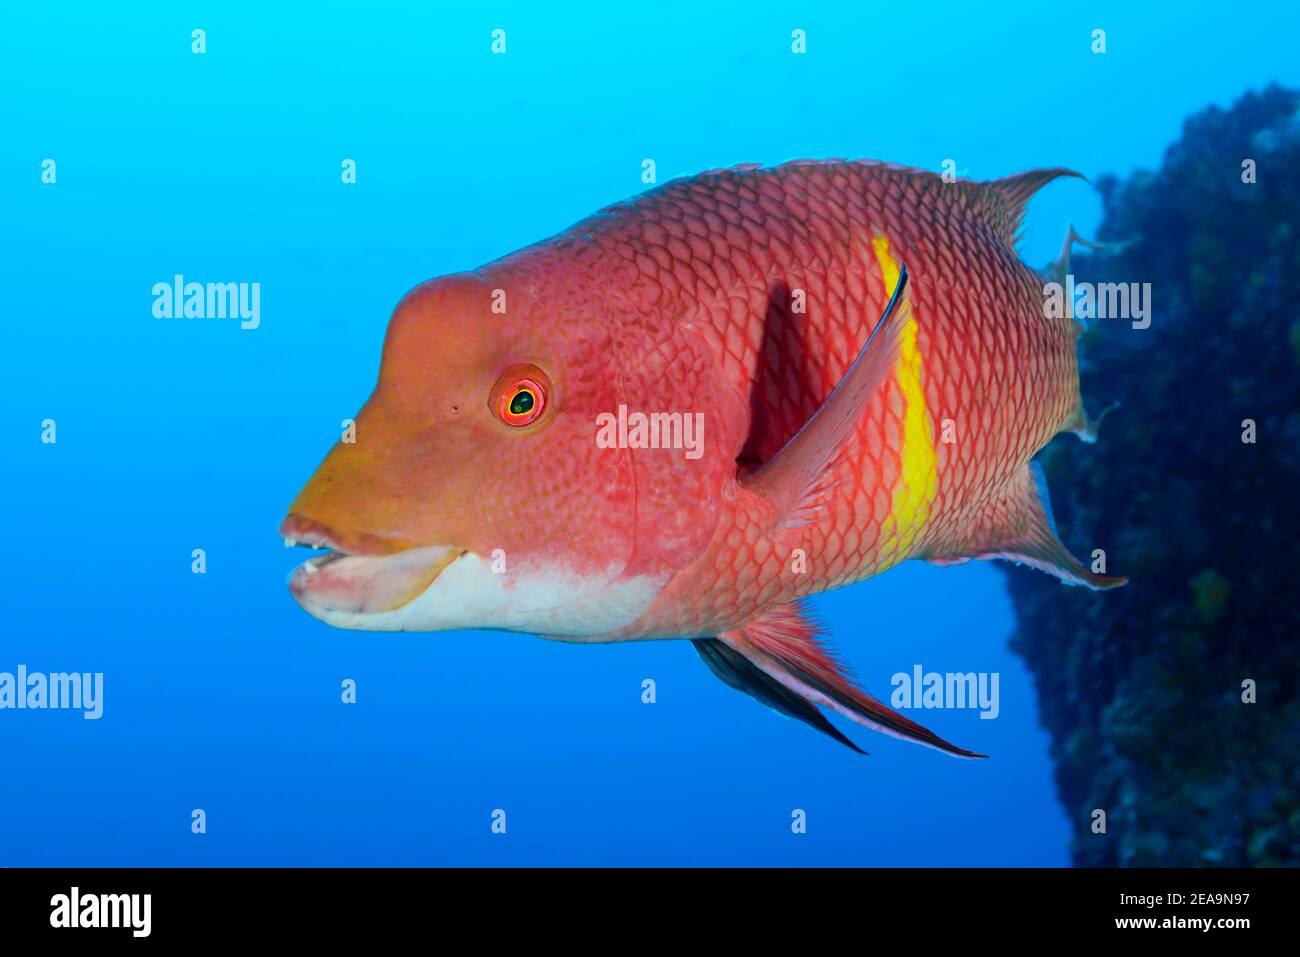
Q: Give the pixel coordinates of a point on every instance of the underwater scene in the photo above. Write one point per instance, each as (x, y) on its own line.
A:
(763, 434)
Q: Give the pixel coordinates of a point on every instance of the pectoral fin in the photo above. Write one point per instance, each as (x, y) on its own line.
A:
(793, 479)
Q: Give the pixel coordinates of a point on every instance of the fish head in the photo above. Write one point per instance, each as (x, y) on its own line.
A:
(473, 493)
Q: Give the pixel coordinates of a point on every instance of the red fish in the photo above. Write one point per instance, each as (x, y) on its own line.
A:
(685, 414)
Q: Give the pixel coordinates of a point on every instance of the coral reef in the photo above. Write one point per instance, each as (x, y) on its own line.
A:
(1142, 688)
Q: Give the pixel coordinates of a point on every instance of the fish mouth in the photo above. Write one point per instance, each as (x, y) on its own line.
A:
(359, 576)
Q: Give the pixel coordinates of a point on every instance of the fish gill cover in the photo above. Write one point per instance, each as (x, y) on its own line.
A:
(1173, 704)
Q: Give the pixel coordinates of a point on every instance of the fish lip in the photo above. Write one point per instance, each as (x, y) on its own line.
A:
(360, 579)
(299, 529)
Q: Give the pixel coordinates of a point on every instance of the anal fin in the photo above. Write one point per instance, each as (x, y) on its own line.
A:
(1018, 526)
(780, 660)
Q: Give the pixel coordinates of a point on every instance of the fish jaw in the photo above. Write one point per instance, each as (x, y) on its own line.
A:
(355, 586)
(362, 577)
(446, 587)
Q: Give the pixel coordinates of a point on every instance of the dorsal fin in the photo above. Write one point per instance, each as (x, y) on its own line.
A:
(1010, 196)
(792, 479)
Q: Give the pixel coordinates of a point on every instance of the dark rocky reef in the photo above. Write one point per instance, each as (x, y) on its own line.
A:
(1141, 687)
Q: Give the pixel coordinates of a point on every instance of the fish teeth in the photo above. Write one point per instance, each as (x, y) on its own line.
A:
(290, 543)
(309, 567)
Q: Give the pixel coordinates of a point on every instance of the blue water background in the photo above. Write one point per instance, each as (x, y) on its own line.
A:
(220, 693)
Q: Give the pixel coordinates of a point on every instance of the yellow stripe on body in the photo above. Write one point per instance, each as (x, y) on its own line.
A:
(918, 474)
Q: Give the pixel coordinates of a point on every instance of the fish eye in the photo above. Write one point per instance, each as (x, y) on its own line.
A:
(520, 396)
(523, 401)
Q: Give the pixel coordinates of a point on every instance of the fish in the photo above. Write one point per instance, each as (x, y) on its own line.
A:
(866, 370)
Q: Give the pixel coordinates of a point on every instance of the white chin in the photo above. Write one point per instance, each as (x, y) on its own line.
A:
(469, 594)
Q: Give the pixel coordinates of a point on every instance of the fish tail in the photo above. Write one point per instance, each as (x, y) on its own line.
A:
(1080, 422)
(1084, 425)
(1059, 269)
